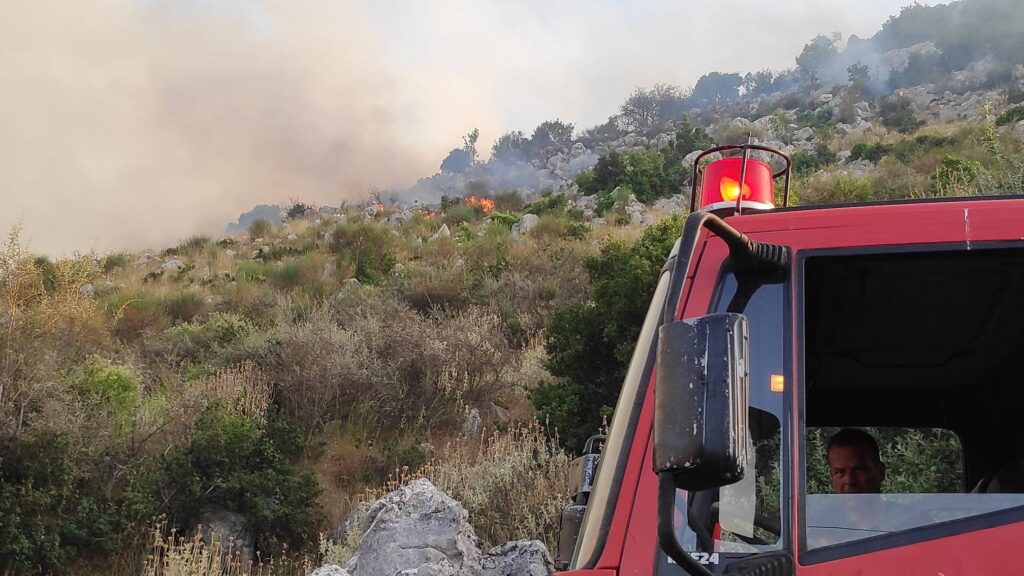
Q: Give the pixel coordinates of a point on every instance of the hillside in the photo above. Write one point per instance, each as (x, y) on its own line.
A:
(472, 329)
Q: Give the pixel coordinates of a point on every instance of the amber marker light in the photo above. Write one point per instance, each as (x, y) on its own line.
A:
(778, 383)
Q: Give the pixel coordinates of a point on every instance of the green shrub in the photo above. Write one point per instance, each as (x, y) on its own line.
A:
(871, 152)
(504, 219)
(194, 245)
(260, 228)
(114, 262)
(106, 385)
(53, 513)
(833, 188)
(1011, 116)
(816, 119)
(232, 464)
(460, 213)
(288, 275)
(805, 162)
(366, 250)
(182, 306)
(47, 271)
(897, 114)
(1014, 95)
(589, 344)
(136, 314)
(283, 250)
(956, 177)
(508, 201)
(218, 330)
(548, 202)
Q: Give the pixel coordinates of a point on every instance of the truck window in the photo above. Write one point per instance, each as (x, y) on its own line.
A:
(919, 352)
(746, 517)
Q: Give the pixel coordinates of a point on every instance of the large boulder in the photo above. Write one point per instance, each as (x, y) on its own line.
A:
(803, 134)
(416, 529)
(330, 570)
(526, 223)
(1018, 131)
(519, 558)
(231, 530)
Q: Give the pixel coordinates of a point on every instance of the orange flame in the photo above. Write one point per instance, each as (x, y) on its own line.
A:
(486, 204)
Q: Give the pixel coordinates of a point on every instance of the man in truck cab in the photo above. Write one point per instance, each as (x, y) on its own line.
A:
(853, 462)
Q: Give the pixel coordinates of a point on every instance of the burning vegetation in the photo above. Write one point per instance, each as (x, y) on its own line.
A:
(485, 204)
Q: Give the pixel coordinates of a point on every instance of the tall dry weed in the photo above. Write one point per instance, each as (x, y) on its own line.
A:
(513, 483)
(243, 390)
(44, 316)
(173, 555)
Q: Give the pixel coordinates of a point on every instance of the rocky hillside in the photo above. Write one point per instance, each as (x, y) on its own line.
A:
(471, 330)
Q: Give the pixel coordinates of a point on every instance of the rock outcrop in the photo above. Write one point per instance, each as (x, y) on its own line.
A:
(418, 530)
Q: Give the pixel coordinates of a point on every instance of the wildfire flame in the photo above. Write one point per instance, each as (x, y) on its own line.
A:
(486, 204)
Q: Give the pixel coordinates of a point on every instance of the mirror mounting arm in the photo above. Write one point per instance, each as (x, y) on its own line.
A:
(746, 252)
(666, 527)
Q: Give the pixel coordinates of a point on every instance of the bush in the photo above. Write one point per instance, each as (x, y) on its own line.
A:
(459, 213)
(182, 306)
(107, 386)
(553, 226)
(260, 228)
(589, 345)
(956, 177)
(52, 513)
(281, 251)
(548, 202)
(897, 114)
(233, 464)
(1014, 94)
(833, 188)
(136, 315)
(196, 338)
(194, 245)
(114, 262)
(806, 163)
(514, 484)
(871, 152)
(365, 250)
(508, 201)
(504, 219)
(1011, 116)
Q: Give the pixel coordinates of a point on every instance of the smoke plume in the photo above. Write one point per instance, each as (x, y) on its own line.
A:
(134, 123)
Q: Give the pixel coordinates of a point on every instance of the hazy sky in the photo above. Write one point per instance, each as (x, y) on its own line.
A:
(135, 123)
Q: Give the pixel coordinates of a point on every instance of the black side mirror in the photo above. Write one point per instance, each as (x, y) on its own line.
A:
(700, 401)
(700, 415)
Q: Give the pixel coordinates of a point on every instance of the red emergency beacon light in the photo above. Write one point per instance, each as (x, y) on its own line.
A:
(737, 183)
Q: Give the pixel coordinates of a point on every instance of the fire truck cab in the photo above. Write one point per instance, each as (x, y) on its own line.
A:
(772, 328)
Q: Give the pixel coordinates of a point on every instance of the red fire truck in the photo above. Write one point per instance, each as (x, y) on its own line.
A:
(771, 327)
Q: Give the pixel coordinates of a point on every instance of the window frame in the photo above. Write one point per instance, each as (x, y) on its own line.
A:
(852, 549)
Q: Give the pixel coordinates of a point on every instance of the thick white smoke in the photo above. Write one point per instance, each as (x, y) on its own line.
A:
(133, 123)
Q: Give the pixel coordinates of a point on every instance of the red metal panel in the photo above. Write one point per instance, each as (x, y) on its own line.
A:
(975, 221)
(981, 553)
(633, 537)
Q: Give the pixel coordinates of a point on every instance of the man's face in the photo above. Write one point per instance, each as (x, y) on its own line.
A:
(854, 471)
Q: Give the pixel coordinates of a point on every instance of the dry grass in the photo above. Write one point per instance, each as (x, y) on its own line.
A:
(173, 555)
(513, 483)
(44, 318)
(242, 390)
